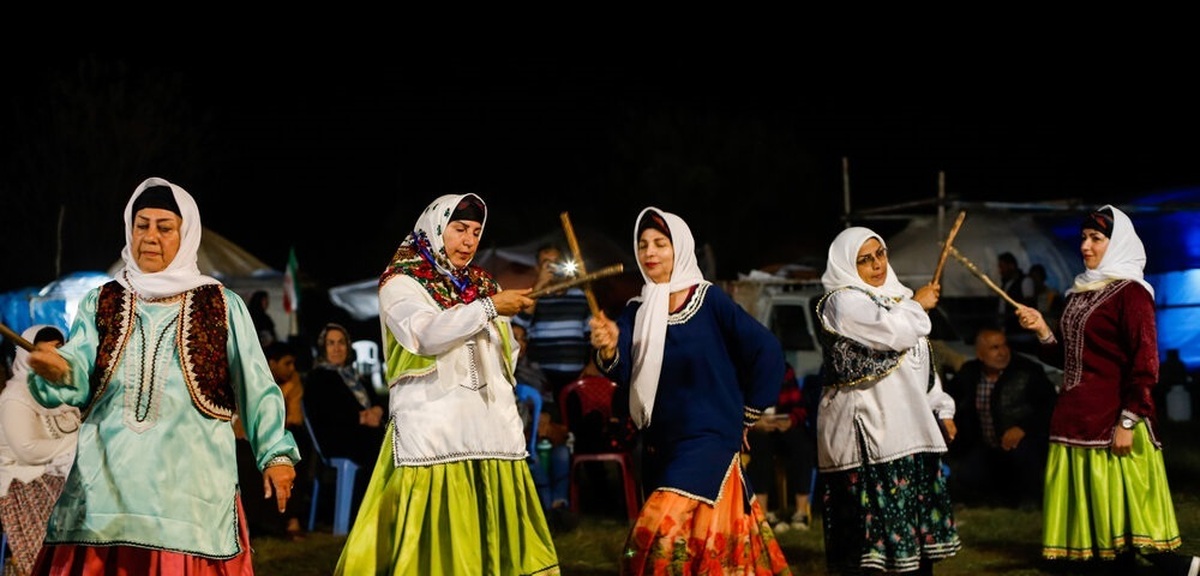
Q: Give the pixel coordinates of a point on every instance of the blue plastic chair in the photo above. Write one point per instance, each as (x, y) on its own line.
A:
(343, 486)
(527, 393)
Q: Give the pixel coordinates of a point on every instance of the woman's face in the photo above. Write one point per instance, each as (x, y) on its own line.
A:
(872, 262)
(337, 349)
(155, 238)
(656, 255)
(462, 240)
(1093, 247)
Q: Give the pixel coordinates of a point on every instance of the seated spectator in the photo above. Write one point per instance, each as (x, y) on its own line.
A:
(346, 415)
(782, 438)
(1004, 402)
(557, 324)
(553, 478)
(37, 447)
(262, 515)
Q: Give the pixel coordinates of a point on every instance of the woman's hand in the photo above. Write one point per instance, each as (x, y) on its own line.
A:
(604, 335)
(951, 429)
(1032, 320)
(510, 302)
(45, 361)
(927, 296)
(277, 481)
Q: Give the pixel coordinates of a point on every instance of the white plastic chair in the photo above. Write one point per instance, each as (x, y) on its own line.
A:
(367, 362)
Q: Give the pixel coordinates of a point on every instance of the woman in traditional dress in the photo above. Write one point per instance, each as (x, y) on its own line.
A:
(451, 492)
(1106, 493)
(37, 445)
(879, 443)
(159, 361)
(700, 372)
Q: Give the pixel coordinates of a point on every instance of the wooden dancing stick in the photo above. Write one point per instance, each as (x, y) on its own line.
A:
(16, 338)
(569, 231)
(581, 279)
(982, 276)
(941, 265)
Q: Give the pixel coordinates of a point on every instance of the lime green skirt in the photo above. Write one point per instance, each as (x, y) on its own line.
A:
(1097, 504)
(471, 517)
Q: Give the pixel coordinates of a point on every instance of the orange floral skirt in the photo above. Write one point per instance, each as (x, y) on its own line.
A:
(675, 534)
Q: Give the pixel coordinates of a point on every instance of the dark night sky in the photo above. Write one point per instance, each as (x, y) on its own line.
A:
(335, 151)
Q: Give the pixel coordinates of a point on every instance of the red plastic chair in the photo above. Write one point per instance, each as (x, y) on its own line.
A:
(579, 398)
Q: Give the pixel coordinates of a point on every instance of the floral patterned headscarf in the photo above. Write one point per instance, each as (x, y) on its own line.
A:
(423, 256)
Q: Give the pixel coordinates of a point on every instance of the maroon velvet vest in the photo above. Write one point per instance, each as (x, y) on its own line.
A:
(201, 336)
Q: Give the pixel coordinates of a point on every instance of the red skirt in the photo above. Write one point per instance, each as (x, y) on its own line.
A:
(80, 560)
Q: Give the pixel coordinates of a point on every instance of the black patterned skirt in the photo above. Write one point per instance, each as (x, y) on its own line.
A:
(889, 516)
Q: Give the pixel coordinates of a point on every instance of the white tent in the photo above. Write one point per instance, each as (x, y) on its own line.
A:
(984, 235)
(239, 271)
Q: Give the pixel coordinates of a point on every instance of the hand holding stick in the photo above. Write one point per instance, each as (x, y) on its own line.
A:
(16, 338)
(982, 276)
(937, 274)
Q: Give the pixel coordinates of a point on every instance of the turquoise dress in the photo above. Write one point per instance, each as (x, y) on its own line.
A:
(151, 470)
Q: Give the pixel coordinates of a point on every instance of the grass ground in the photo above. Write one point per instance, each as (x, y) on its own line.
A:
(995, 540)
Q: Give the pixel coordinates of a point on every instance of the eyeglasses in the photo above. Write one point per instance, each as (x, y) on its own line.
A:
(879, 255)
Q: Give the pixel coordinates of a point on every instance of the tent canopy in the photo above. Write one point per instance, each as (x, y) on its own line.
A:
(984, 235)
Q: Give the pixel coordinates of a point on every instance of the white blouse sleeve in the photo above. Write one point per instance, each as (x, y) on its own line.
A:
(854, 314)
(26, 435)
(941, 402)
(419, 325)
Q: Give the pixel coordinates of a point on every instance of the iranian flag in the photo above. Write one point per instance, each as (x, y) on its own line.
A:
(291, 284)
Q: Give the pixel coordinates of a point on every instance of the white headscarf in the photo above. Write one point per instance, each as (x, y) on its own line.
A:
(841, 271)
(17, 387)
(1125, 258)
(182, 274)
(650, 324)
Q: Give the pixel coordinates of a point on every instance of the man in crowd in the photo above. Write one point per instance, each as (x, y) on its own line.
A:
(1003, 405)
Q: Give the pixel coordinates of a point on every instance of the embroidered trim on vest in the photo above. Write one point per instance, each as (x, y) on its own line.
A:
(114, 323)
(201, 339)
(1073, 321)
(203, 336)
(849, 362)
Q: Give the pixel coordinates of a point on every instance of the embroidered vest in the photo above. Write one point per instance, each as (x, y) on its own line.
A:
(201, 336)
(847, 362)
